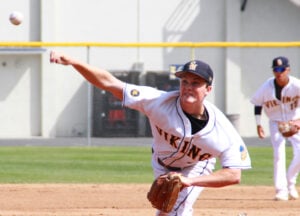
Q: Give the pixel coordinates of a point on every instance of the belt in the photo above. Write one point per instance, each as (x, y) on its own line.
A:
(174, 169)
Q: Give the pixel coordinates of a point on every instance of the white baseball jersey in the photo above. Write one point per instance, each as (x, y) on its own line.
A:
(173, 142)
(279, 110)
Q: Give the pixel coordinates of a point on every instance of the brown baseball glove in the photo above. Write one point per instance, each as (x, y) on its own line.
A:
(287, 129)
(164, 191)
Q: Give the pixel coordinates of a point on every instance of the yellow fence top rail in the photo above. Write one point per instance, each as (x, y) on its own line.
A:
(150, 44)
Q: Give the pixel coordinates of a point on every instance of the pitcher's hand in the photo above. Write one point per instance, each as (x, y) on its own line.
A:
(59, 58)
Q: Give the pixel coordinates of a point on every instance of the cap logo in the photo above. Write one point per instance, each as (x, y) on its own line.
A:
(279, 62)
(193, 66)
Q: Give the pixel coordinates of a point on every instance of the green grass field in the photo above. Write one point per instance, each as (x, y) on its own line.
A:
(104, 165)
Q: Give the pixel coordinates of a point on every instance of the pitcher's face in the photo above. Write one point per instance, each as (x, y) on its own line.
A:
(193, 89)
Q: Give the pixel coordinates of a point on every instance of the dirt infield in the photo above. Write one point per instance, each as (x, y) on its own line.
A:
(130, 199)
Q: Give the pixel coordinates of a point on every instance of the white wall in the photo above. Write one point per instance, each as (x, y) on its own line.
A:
(20, 95)
(55, 97)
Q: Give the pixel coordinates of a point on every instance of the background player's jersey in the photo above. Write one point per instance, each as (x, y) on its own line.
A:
(279, 110)
(173, 142)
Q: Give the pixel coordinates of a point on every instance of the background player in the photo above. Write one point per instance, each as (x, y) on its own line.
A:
(279, 97)
(188, 132)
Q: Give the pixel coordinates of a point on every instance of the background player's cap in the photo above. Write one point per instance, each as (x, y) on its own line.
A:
(199, 68)
(280, 62)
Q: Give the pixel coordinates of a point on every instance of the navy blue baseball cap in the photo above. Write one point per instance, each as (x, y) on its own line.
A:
(199, 68)
(280, 62)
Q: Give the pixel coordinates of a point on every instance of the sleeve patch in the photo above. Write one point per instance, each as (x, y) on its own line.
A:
(134, 92)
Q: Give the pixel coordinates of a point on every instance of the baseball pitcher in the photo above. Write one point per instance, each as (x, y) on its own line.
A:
(189, 133)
